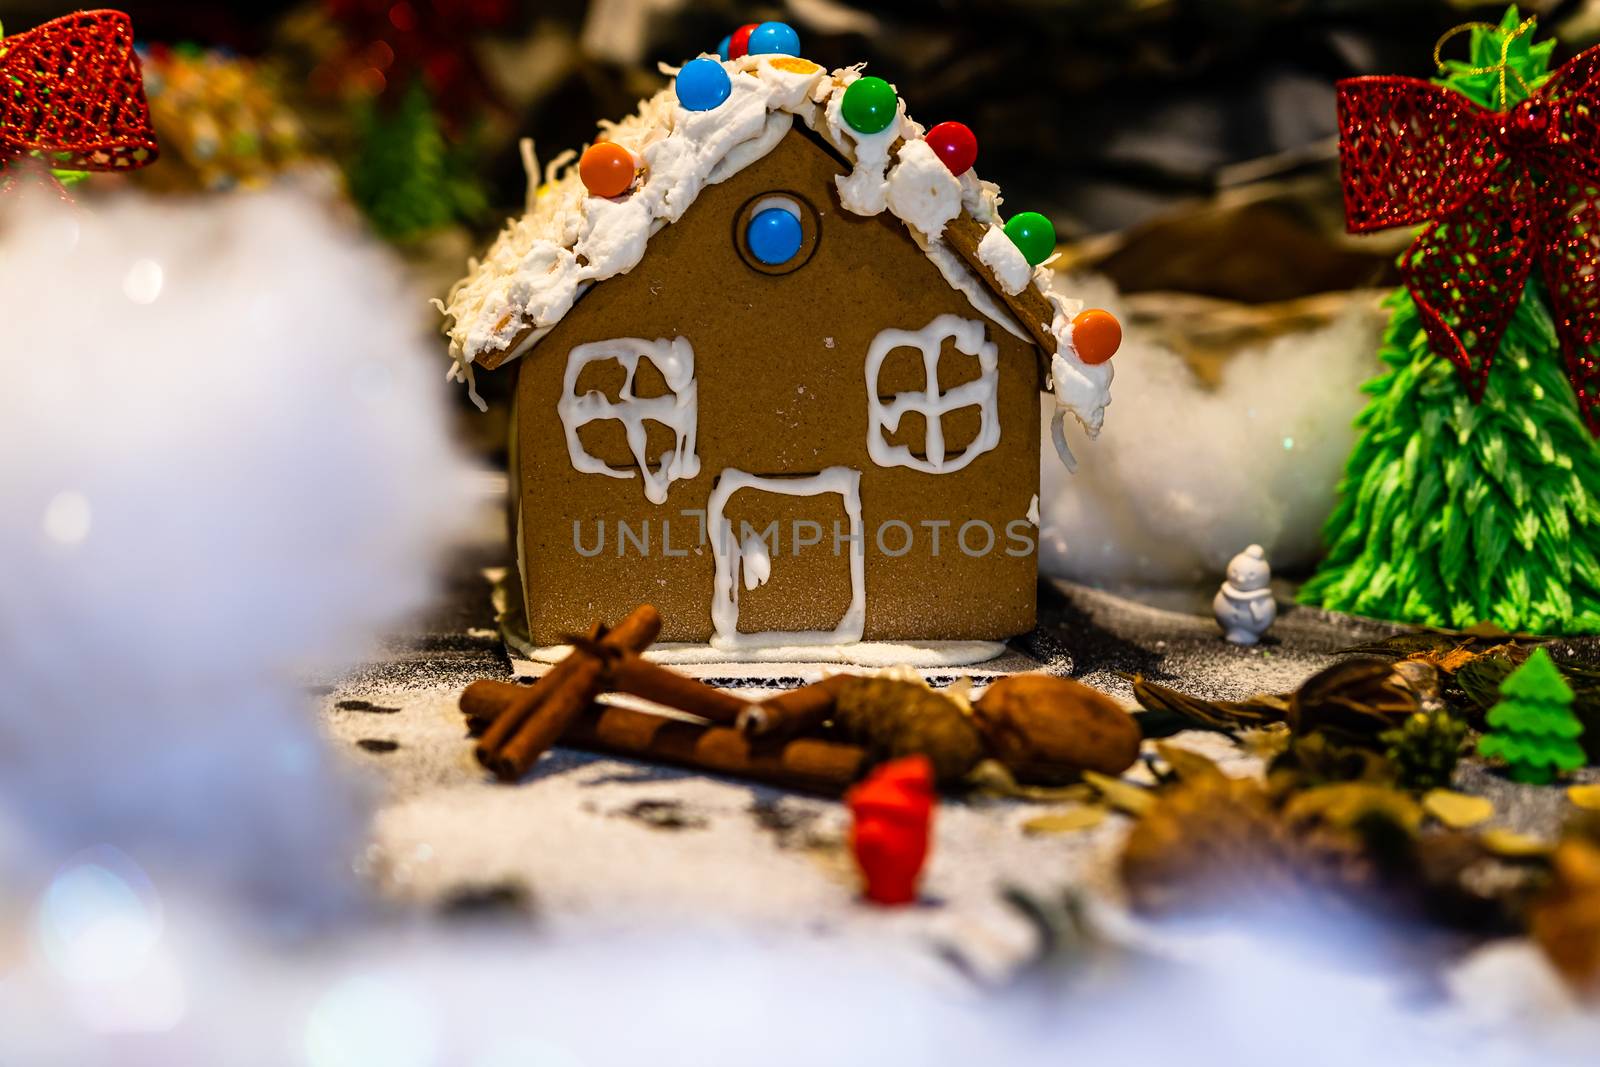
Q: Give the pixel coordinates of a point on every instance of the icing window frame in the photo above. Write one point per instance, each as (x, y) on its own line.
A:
(678, 409)
(795, 204)
(970, 337)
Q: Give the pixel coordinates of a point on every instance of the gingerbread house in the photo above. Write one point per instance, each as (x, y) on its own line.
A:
(778, 370)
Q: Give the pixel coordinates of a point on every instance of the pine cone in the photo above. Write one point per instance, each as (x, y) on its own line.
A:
(1425, 749)
(894, 717)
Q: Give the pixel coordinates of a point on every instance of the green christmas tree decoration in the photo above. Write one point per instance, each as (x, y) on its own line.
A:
(1533, 728)
(406, 176)
(1451, 512)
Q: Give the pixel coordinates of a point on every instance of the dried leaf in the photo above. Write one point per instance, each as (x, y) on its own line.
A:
(1411, 643)
(1344, 804)
(1433, 644)
(1586, 797)
(1120, 794)
(1186, 763)
(1358, 698)
(1447, 661)
(1565, 922)
(1488, 630)
(1067, 820)
(1480, 680)
(1421, 676)
(1220, 715)
(1313, 759)
(991, 778)
(1512, 845)
(1266, 742)
(1459, 811)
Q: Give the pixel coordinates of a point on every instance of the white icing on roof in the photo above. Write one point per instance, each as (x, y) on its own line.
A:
(997, 252)
(542, 262)
(922, 191)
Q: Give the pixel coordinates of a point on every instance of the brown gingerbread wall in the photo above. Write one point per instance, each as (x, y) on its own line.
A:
(779, 362)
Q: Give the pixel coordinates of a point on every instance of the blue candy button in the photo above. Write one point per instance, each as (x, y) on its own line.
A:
(703, 85)
(774, 236)
(774, 38)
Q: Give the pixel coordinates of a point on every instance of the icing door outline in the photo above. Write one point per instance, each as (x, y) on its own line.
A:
(732, 567)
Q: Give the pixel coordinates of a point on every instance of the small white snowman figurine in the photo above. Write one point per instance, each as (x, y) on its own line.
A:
(1244, 606)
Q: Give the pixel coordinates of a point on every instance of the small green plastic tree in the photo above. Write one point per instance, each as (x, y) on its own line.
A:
(1533, 728)
(1451, 512)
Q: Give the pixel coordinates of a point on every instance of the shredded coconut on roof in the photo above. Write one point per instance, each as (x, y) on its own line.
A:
(567, 240)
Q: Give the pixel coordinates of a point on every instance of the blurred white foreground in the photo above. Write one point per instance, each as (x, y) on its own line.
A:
(226, 460)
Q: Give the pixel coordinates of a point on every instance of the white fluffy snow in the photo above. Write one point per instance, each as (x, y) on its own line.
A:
(226, 461)
(113, 975)
(1184, 476)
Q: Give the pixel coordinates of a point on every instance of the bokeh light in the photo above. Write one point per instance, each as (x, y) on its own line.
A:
(367, 1020)
(143, 282)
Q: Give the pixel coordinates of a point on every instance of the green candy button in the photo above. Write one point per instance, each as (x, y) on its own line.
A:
(1033, 235)
(869, 105)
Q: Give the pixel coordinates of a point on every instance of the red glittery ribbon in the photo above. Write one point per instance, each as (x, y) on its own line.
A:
(1497, 190)
(71, 90)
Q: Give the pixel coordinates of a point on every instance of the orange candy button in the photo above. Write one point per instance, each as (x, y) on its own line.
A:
(606, 169)
(793, 65)
(1096, 334)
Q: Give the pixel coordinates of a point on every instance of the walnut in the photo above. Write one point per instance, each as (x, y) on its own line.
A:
(1045, 728)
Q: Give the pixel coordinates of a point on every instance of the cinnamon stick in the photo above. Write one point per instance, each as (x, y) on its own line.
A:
(485, 700)
(807, 764)
(510, 718)
(795, 711)
(525, 730)
(633, 674)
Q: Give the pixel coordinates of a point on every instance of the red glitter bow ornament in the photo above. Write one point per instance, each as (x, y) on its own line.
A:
(1498, 191)
(71, 91)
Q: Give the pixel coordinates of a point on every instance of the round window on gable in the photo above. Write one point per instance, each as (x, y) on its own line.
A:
(776, 233)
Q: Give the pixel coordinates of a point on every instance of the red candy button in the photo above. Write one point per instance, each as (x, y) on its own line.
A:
(955, 145)
(739, 42)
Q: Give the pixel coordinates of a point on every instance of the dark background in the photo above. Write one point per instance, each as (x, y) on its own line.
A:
(1104, 114)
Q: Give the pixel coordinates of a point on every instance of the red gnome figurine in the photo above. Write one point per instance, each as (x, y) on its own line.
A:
(892, 811)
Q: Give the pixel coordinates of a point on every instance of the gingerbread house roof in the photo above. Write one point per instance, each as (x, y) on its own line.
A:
(569, 239)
